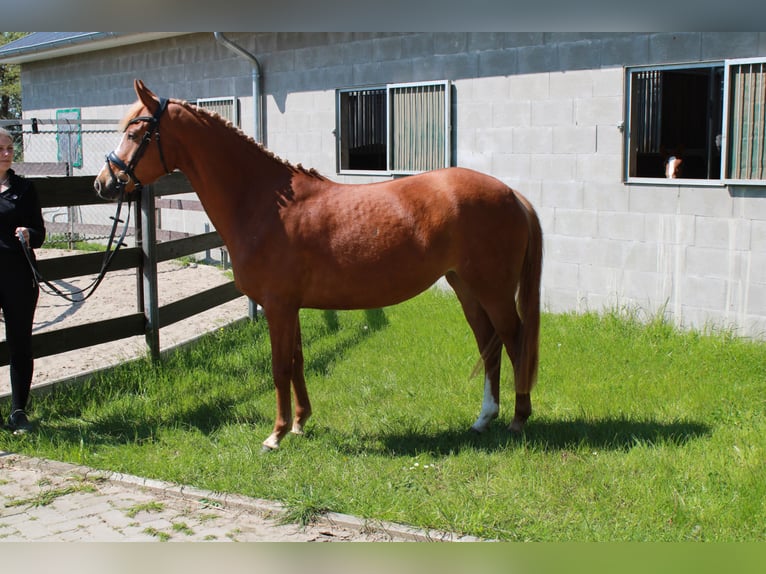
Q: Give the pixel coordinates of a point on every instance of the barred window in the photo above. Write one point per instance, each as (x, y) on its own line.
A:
(227, 108)
(397, 128)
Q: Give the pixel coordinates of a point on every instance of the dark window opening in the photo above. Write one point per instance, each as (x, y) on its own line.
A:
(676, 112)
(363, 130)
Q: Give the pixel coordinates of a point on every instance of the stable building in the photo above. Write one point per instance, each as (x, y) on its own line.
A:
(583, 124)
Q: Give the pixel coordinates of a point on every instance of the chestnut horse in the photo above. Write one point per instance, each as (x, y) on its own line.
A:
(298, 240)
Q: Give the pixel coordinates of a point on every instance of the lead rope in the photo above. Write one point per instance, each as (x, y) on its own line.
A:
(109, 254)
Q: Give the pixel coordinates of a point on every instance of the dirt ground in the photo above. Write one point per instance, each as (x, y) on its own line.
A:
(114, 297)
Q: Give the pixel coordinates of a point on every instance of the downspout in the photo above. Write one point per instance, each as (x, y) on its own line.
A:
(257, 104)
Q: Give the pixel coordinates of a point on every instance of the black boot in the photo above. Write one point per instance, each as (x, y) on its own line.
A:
(18, 422)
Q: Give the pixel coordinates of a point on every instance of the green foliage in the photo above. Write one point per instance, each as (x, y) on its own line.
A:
(640, 432)
(10, 82)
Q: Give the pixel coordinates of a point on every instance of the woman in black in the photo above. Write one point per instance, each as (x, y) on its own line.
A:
(20, 218)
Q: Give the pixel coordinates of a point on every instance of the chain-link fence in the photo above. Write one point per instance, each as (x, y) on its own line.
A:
(67, 146)
(80, 144)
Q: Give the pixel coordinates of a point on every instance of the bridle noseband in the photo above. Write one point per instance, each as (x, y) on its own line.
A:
(128, 168)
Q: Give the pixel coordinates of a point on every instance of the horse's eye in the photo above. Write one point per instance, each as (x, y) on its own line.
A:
(131, 136)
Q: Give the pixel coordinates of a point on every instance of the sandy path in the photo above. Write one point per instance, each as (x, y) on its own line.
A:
(116, 296)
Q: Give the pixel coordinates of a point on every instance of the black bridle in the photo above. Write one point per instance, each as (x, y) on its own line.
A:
(153, 131)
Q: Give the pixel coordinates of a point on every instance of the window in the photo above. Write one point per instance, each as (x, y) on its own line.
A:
(713, 116)
(675, 111)
(397, 128)
(227, 108)
(746, 121)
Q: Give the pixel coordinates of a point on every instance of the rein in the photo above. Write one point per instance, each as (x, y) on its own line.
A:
(109, 254)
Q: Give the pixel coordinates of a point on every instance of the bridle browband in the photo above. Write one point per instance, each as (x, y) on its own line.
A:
(128, 168)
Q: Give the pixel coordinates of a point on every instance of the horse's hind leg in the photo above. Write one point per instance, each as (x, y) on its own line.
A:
(521, 413)
(506, 319)
(493, 311)
(490, 348)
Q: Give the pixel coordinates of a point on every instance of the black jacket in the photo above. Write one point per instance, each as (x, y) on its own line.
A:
(20, 207)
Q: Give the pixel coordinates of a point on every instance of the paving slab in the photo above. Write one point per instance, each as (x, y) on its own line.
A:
(43, 500)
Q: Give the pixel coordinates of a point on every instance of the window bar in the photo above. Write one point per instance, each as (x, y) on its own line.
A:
(739, 118)
(751, 123)
(761, 122)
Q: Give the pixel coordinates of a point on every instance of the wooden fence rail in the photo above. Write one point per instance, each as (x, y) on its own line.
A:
(149, 318)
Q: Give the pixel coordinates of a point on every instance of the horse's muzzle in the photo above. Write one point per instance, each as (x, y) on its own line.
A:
(106, 190)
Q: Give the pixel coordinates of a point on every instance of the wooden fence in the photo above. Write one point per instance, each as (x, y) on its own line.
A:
(149, 318)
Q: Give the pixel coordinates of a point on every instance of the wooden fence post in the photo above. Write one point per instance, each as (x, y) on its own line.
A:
(149, 272)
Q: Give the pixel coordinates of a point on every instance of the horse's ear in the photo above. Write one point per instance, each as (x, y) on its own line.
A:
(145, 95)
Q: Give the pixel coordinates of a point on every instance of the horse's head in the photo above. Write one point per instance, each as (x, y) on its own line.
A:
(136, 160)
(673, 167)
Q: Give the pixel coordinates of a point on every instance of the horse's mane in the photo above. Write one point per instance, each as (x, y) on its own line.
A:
(215, 116)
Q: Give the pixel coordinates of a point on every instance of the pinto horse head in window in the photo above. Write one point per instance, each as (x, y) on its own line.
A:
(673, 161)
(673, 167)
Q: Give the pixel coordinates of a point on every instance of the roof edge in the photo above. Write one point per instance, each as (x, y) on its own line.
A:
(77, 44)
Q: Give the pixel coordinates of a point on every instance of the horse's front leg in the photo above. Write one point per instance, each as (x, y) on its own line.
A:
(283, 323)
(302, 403)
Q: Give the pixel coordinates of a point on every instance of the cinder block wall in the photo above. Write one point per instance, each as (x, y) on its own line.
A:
(540, 111)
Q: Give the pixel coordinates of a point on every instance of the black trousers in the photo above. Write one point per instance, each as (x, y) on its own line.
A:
(18, 300)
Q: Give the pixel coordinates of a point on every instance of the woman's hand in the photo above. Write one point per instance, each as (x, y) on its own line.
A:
(23, 234)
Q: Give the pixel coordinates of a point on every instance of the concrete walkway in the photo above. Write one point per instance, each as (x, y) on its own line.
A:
(42, 500)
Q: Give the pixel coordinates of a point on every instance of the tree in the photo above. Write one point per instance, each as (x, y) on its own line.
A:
(10, 82)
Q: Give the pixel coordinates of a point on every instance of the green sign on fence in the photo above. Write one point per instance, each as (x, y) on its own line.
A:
(69, 137)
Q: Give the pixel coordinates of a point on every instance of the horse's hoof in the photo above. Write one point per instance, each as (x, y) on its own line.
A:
(271, 443)
(474, 430)
(267, 449)
(516, 427)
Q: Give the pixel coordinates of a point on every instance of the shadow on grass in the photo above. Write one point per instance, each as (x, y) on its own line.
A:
(375, 318)
(122, 428)
(319, 360)
(616, 434)
(116, 430)
(139, 383)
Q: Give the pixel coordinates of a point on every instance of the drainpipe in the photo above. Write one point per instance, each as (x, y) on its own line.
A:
(257, 106)
(254, 310)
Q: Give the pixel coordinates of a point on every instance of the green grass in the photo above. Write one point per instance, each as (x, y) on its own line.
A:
(639, 433)
(61, 241)
(48, 496)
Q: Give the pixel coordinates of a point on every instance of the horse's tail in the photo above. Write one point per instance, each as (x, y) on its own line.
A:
(529, 300)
